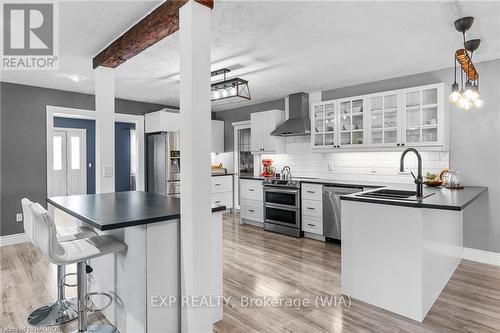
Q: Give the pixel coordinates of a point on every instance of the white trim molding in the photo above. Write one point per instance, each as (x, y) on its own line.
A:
(14, 239)
(485, 257)
(57, 111)
(241, 123)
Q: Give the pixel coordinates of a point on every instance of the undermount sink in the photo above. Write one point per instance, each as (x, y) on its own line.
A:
(393, 194)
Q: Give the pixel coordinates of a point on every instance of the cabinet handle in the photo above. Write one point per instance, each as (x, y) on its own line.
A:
(311, 225)
(310, 208)
(251, 210)
(399, 145)
(217, 184)
(311, 192)
(218, 201)
(251, 190)
(402, 144)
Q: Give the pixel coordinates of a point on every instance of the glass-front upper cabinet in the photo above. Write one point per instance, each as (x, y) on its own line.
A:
(324, 125)
(423, 120)
(384, 118)
(351, 120)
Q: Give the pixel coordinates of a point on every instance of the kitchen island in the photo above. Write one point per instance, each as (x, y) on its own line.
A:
(145, 282)
(399, 254)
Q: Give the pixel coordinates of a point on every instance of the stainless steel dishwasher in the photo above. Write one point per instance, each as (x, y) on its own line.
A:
(331, 209)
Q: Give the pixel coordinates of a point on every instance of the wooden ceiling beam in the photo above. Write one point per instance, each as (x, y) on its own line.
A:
(160, 23)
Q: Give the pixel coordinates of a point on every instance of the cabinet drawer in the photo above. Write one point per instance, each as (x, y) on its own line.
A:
(312, 224)
(223, 199)
(312, 192)
(251, 190)
(312, 208)
(251, 210)
(222, 184)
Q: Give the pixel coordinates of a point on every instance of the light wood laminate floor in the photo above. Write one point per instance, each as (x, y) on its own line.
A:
(259, 264)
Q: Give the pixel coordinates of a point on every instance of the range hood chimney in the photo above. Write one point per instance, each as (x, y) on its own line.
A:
(298, 122)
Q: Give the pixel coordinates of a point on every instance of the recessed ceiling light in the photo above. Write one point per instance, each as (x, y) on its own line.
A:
(75, 77)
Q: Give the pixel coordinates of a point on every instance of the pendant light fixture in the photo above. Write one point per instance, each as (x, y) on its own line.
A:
(234, 88)
(466, 95)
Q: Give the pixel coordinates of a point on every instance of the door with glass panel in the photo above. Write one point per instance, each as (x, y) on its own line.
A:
(423, 115)
(352, 121)
(69, 159)
(243, 158)
(384, 119)
(324, 125)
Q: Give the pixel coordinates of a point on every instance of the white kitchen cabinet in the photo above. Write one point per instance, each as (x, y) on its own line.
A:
(251, 200)
(324, 118)
(424, 117)
(262, 124)
(312, 208)
(312, 225)
(351, 123)
(415, 117)
(312, 191)
(384, 119)
(162, 121)
(217, 136)
(222, 191)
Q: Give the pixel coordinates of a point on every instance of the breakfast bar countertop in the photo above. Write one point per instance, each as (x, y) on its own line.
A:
(108, 211)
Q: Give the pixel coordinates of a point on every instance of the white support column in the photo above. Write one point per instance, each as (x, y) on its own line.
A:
(105, 129)
(195, 108)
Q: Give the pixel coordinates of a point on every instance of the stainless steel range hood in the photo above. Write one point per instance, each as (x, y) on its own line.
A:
(298, 122)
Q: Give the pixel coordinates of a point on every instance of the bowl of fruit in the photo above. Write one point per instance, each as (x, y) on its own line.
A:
(432, 180)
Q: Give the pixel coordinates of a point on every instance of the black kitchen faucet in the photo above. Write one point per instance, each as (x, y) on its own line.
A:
(418, 180)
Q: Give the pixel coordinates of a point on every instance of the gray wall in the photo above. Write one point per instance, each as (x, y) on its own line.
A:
(474, 142)
(240, 114)
(23, 142)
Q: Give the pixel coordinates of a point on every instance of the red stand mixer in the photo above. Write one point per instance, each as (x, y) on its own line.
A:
(267, 168)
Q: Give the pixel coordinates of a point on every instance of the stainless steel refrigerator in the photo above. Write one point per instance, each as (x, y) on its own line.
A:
(164, 163)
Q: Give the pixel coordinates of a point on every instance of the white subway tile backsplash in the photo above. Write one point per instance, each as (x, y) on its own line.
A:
(441, 164)
(374, 166)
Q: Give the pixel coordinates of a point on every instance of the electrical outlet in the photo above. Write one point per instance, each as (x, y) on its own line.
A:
(330, 166)
(19, 217)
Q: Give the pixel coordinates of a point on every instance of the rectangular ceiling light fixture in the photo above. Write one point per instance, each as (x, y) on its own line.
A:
(234, 88)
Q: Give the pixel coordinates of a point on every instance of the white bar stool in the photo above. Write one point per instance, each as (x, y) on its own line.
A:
(76, 251)
(62, 310)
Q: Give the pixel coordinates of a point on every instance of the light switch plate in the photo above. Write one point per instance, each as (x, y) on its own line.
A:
(19, 217)
(108, 170)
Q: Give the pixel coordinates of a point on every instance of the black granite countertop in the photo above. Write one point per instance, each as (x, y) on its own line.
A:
(108, 211)
(441, 198)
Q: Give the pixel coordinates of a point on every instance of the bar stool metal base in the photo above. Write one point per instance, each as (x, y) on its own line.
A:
(56, 313)
(99, 328)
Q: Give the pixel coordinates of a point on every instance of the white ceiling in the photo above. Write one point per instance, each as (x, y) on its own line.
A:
(280, 47)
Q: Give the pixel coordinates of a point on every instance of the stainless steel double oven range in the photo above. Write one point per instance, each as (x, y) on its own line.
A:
(282, 207)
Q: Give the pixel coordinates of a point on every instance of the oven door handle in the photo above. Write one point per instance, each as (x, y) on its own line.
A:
(282, 207)
(266, 189)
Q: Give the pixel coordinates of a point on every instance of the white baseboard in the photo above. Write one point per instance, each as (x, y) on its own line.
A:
(13, 239)
(485, 257)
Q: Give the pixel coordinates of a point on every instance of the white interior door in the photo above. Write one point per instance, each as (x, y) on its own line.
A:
(76, 158)
(69, 162)
(58, 164)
